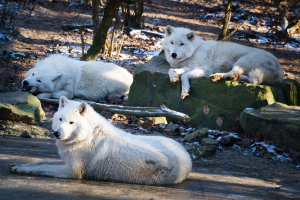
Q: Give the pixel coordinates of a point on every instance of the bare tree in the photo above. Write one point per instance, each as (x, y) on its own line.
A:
(100, 37)
(226, 19)
(289, 24)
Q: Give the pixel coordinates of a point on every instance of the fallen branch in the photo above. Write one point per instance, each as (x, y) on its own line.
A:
(161, 111)
(71, 27)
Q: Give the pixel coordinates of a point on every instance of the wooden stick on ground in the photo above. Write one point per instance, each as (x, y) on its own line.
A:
(161, 111)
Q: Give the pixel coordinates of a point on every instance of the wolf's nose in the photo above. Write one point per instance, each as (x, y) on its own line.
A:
(56, 134)
(174, 55)
(25, 83)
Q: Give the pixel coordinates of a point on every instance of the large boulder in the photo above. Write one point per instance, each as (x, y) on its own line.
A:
(216, 105)
(21, 107)
(278, 123)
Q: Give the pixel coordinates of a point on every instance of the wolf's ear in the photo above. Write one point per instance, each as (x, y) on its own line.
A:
(63, 101)
(56, 76)
(83, 107)
(191, 36)
(38, 61)
(169, 30)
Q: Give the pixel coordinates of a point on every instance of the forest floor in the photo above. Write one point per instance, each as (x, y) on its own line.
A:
(42, 34)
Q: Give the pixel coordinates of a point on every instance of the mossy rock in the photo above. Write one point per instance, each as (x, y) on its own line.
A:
(209, 142)
(20, 107)
(196, 136)
(278, 123)
(203, 152)
(225, 100)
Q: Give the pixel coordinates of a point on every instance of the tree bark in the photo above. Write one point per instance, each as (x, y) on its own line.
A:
(161, 111)
(100, 37)
(226, 20)
(95, 16)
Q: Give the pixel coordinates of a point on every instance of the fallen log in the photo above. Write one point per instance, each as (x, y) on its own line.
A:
(161, 111)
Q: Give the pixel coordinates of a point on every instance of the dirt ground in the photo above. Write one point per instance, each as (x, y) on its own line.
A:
(228, 175)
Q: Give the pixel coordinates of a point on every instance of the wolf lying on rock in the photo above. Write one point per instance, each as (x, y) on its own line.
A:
(91, 147)
(192, 57)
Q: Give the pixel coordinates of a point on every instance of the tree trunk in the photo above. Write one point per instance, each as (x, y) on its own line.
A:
(226, 21)
(95, 17)
(100, 37)
(3, 14)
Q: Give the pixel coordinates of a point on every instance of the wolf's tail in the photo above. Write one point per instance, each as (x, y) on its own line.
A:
(266, 76)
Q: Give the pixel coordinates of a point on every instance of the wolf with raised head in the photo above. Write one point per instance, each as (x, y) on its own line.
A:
(92, 147)
(192, 57)
(58, 75)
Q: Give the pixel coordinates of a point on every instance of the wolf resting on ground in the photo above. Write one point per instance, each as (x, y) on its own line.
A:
(92, 147)
(58, 75)
(192, 57)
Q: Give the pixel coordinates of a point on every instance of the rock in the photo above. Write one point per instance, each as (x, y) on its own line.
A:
(196, 136)
(209, 142)
(21, 107)
(174, 128)
(216, 105)
(202, 152)
(25, 134)
(278, 123)
(159, 120)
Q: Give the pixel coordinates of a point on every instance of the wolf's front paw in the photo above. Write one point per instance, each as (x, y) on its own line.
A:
(44, 95)
(13, 168)
(184, 94)
(174, 77)
(235, 77)
(215, 77)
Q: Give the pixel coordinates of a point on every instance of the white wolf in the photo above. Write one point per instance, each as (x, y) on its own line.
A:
(92, 147)
(191, 57)
(57, 76)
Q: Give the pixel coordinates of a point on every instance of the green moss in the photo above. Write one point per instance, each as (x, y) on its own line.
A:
(228, 99)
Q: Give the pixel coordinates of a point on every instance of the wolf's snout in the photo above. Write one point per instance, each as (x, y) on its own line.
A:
(56, 134)
(25, 82)
(174, 55)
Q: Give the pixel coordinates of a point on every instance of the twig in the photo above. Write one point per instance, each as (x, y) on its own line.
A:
(161, 111)
(70, 27)
(121, 42)
(112, 40)
(232, 32)
(31, 10)
(82, 40)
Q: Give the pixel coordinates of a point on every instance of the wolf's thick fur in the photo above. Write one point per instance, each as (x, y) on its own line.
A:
(191, 57)
(57, 76)
(92, 147)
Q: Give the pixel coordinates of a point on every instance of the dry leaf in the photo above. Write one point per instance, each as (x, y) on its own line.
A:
(220, 120)
(206, 109)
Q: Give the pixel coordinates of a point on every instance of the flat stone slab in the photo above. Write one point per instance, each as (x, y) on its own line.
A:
(216, 105)
(20, 107)
(278, 123)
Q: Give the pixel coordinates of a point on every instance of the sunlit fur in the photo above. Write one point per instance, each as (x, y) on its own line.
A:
(196, 57)
(92, 147)
(58, 75)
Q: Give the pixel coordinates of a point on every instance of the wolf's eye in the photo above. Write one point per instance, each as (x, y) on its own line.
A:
(60, 119)
(71, 122)
(32, 74)
(181, 44)
(39, 81)
(171, 42)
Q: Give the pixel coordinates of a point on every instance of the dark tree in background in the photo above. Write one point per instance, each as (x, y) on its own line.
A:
(133, 19)
(100, 37)
(226, 20)
(290, 22)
